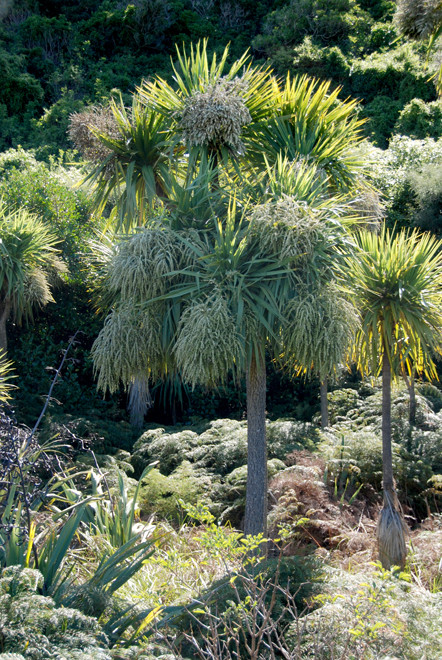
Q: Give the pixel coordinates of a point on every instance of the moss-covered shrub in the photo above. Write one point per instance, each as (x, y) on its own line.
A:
(31, 625)
(161, 495)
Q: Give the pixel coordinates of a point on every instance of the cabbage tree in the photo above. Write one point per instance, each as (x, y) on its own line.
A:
(320, 333)
(205, 291)
(211, 303)
(29, 266)
(396, 280)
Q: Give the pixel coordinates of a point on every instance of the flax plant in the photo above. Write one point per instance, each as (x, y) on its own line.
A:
(396, 281)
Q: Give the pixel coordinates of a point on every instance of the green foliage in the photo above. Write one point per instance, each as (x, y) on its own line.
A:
(426, 188)
(48, 192)
(338, 22)
(382, 114)
(114, 518)
(395, 283)
(21, 93)
(209, 462)
(5, 379)
(163, 496)
(397, 74)
(420, 120)
(393, 170)
(369, 616)
(29, 263)
(32, 625)
(327, 62)
(352, 445)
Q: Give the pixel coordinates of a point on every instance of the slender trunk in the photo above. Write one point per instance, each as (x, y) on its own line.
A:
(387, 457)
(324, 404)
(409, 382)
(391, 526)
(5, 310)
(256, 494)
(412, 393)
(139, 400)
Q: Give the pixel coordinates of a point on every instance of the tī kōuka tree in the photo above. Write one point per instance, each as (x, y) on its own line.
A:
(200, 288)
(396, 280)
(29, 266)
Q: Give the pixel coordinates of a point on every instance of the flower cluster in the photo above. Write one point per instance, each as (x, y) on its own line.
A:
(216, 117)
(84, 128)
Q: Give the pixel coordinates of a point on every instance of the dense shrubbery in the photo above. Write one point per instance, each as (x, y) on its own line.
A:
(32, 625)
(55, 60)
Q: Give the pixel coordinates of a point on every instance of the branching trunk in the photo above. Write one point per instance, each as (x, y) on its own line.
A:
(256, 494)
(5, 310)
(324, 404)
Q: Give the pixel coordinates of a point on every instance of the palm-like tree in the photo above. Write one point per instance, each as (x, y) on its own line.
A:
(130, 151)
(397, 283)
(319, 335)
(209, 303)
(205, 274)
(308, 124)
(210, 105)
(29, 264)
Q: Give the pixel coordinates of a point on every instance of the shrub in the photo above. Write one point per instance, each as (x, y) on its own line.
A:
(396, 74)
(328, 62)
(31, 625)
(382, 113)
(427, 189)
(162, 496)
(169, 449)
(48, 191)
(420, 120)
(367, 617)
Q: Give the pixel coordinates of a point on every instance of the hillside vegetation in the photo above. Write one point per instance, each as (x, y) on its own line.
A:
(220, 329)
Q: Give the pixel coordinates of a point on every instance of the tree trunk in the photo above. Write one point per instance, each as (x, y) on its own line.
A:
(324, 404)
(139, 400)
(5, 310)
(412, 393)
(256, 494)
(391, 527)
(387, 457)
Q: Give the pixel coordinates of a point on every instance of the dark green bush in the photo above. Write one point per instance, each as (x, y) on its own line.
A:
(48, 191)
(328, 62)
(20, 92)
(398, 74)
(420, 120)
